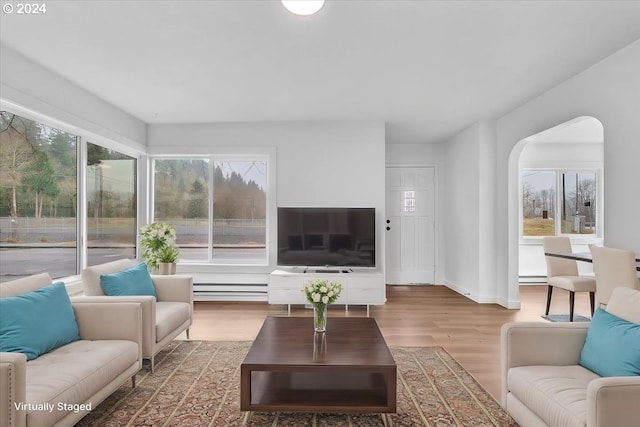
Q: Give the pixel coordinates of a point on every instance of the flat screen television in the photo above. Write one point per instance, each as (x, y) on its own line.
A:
(327, 237)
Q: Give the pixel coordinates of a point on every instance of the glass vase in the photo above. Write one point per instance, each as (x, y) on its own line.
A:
(320, 317)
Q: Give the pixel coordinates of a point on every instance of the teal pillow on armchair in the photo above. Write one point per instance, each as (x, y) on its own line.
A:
(38, 321)
(132, 281)
(612, 346)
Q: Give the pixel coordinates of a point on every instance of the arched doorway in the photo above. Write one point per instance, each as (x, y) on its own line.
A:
(555, 188)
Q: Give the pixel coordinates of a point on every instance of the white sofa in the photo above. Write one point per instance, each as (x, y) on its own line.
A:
(162, 320)
(543, 384)
(74, 378)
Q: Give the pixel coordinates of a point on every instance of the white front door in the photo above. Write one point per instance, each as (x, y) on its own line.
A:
(410, 225)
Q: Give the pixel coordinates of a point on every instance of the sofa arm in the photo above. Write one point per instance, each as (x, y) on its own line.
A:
(109, 321)
(175, 288)
(13, 389)
(613, 401)
(148, 306)
(538, 343)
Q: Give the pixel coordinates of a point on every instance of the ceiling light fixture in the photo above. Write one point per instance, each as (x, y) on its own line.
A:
(303, 7)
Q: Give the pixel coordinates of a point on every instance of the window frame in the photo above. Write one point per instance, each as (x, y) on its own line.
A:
(599, 223)
(266, 154)
(83, 137)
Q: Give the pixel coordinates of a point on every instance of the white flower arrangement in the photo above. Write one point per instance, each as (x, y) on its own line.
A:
(154, 239)
(322, 292)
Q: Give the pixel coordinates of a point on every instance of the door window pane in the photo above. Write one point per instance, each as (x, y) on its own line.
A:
(409, 201)
(37, 198)
(538, 203)
(181, 199)
(111, 205)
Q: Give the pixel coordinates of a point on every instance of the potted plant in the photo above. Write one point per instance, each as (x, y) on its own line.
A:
(154, 239)
(167, 259)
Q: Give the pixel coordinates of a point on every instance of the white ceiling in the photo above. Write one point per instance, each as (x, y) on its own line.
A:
(427, 68)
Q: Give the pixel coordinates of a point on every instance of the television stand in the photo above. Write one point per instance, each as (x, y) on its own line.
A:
(359, 287)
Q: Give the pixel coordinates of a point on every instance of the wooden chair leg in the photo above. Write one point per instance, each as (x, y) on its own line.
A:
(549, 292)
(572, 300)
(592, 300)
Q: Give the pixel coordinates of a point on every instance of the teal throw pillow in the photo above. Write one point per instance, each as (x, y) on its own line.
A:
(612, 346)
(38, 321)
(132, 281)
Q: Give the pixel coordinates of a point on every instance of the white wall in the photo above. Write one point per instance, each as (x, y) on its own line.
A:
(415, 155)
(469, 203)
(27, 88)
(608, 91)
(339, 164)
(487, 267)
(461, 201)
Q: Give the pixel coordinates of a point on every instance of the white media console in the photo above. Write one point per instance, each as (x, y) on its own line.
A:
(360, 287)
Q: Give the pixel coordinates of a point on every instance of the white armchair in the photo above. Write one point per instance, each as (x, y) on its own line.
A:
(162, 320)
(544, 385)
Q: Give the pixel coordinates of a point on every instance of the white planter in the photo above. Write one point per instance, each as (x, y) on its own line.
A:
(166, 268)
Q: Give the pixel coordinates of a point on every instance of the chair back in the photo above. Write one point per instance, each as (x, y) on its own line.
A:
(91, 275)
(24, 285)
(625, 303)
(559, 266)
(613, 268)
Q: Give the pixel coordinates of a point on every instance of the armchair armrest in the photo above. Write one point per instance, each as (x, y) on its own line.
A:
(537, 343)
(176, 288)
(148, 305)
(13, 389)
(613, 401)
(109, 321)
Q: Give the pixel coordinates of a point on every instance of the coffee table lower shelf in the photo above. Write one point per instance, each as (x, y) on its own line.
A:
(318, 391)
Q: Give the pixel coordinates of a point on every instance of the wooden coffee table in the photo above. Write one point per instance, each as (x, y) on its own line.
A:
(349, 368)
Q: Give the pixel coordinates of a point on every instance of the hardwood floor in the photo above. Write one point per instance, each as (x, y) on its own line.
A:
(413, 316)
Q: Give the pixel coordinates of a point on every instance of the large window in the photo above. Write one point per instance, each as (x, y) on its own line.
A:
(38, 188)
(111, 205)
(559, 202)
(217, 206)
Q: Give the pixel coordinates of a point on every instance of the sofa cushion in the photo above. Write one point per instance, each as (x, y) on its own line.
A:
(556, 394)
(170, 315)
(38, 321)
(132, 281)
(612, 346)
(73, 373)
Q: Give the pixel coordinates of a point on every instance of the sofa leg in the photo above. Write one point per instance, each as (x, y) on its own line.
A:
(152, 364)
(592, 300)
(549, 292)
(572, 300)
(187, 333)
(133, 381)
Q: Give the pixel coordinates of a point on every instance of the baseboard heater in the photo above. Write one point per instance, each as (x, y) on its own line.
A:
(229, 292)
(532, 279)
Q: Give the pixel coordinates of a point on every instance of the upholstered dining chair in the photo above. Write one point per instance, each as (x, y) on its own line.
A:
(613, 268)
(563, 273)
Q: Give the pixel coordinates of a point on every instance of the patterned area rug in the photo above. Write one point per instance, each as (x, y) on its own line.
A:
(197, 383)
